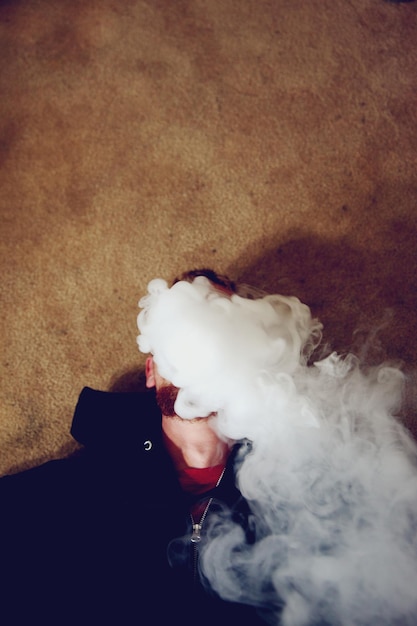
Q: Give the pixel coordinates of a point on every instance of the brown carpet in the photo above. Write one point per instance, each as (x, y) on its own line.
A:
(274, 140)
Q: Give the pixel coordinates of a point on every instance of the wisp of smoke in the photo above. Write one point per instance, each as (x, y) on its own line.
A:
(330, 477)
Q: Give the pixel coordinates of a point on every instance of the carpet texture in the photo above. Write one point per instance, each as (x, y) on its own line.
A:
(275, 141)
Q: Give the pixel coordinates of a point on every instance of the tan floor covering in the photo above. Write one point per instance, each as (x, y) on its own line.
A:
(272, 140)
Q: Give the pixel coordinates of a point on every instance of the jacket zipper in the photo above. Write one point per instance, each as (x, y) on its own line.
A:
(196, 538)
(196, 534)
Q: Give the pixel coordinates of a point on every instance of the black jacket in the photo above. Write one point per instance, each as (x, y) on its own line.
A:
(88, 539)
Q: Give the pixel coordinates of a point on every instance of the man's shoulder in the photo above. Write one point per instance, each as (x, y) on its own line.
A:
(113, 429)
(110, 426)
(107, 418)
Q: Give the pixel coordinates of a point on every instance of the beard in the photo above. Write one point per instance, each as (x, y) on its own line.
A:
(165, 398)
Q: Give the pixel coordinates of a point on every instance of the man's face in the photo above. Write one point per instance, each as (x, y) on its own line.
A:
(166, 392)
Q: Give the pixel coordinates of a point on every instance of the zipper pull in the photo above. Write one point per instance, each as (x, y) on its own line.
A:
(196, 536)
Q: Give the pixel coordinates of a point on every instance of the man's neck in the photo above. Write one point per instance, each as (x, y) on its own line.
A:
(193, 443)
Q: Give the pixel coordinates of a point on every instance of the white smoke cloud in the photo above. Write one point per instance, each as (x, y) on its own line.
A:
(331, 477)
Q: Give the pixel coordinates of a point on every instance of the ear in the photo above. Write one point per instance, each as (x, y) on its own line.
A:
(150, 373)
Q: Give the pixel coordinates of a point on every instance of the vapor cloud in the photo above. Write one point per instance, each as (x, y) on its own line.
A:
(331, 475)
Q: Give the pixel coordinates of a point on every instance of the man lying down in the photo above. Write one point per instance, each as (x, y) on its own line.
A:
(250, 482)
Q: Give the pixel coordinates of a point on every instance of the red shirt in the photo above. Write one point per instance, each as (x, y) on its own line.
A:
(198, 480)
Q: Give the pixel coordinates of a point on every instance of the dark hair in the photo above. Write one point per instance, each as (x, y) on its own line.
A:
(217, 279)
